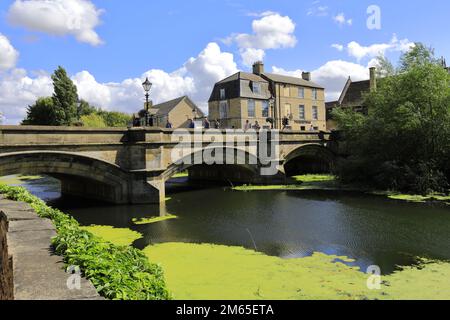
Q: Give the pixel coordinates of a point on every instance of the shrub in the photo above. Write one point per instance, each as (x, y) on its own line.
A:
(117, 272)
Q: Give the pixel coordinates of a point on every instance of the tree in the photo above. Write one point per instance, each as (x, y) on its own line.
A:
(404, 142)
(93, 120)
(115, 119)
(419, 55)
(42, 112)
(384, 67)
(65, 97)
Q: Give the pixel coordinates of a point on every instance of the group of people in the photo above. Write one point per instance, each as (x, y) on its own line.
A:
(249, 126)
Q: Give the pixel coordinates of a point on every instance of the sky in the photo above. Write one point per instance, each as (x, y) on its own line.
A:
(108, 47)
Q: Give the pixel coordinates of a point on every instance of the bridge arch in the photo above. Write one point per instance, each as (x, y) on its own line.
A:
(309, 158)
(79, 175)
(245, 167)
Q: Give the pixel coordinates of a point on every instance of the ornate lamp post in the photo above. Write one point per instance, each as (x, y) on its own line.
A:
(147, 85)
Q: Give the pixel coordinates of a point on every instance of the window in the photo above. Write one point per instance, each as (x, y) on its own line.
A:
(314, 93)
(303, 128)
(301, 92)
(222, 94)
(287, 91)
(287, 110)
(265, 109)
(251, 108)
(315, 113)
(301, 112)
(256, 87)
(223, 109)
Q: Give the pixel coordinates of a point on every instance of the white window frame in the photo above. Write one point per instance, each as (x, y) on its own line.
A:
(222, 94)
(256, 87)
(302, 112)
(265, 106)
(301, 92)
(251, 102)
(315, 113)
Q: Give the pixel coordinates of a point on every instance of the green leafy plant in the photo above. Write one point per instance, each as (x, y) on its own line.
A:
(117, 272)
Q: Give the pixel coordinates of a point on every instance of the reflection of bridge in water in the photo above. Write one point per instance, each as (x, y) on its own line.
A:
(132, 165)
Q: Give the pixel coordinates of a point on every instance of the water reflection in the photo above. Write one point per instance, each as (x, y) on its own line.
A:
(370, 229)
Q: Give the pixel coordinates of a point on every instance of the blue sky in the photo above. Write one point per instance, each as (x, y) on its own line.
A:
(119, 42)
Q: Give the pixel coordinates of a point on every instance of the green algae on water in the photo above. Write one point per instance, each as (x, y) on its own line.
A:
(151, 220)
(117, 236)
(205, 271)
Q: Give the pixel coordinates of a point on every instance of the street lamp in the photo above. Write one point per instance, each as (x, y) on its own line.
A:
(147, 85)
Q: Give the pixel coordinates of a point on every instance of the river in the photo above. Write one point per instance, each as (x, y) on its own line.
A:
(372, 230)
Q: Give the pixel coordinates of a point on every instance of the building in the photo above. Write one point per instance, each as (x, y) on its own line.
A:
(270, 99)
(352, 96)
(177, 111)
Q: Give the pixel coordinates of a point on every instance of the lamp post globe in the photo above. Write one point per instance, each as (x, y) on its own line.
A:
(147, 85)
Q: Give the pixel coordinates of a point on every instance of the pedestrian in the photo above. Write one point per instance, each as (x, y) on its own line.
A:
(191, 124)
(168, 124)
(206, 124)
(247, 125)
(256, 126)
(217, 124)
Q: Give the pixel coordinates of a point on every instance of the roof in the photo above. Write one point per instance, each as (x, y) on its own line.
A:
(291, 80)
(243, 76)
(353, 92)
(166, 107)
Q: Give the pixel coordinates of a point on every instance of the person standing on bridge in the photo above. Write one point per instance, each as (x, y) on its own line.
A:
(168, 124)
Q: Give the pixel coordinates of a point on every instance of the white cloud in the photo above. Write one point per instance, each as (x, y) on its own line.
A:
(359, 51)
(8, 54)
(272, 31)
(318, 10)
(250, 56)
(332, 75)
(338, 47)
(58, 17)
(195, 78)
(341, 20)
(18, 90)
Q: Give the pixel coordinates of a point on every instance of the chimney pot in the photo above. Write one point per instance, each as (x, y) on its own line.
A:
(258, 68)
(306, 76)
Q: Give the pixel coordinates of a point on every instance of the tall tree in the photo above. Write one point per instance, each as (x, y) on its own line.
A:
(65, 97)
(419, 55)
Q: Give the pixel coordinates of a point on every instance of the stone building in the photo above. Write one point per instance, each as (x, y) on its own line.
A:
(352, 96)
(272, 100)
(177, 111)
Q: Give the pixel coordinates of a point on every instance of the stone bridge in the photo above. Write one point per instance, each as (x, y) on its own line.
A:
(131, 165)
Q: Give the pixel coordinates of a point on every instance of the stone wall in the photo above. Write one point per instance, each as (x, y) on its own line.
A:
(6, 275)
(29, 268)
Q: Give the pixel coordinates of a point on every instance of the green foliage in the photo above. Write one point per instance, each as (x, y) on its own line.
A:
(117, 272)
(404, 142)
(65, 97)
(42, 112)
(115, 119)
(93, 120)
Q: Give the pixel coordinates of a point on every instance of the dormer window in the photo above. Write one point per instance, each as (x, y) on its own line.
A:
(222, 94)
(256, 87)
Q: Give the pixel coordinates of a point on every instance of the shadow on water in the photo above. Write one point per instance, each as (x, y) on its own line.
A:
(290, 224)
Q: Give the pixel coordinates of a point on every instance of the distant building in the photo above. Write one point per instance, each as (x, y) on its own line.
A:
(269, 99)
(352, 96)
(177, 111)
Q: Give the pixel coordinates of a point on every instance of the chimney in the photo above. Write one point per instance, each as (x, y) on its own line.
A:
(306, 76)
(373, 79)
(258, 68)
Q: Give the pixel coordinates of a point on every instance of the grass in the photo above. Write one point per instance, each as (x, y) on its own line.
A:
(181, 175)
(302, 182)
(151, 220)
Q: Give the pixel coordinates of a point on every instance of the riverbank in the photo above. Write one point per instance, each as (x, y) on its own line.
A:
(117, 272)
(328, 182)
